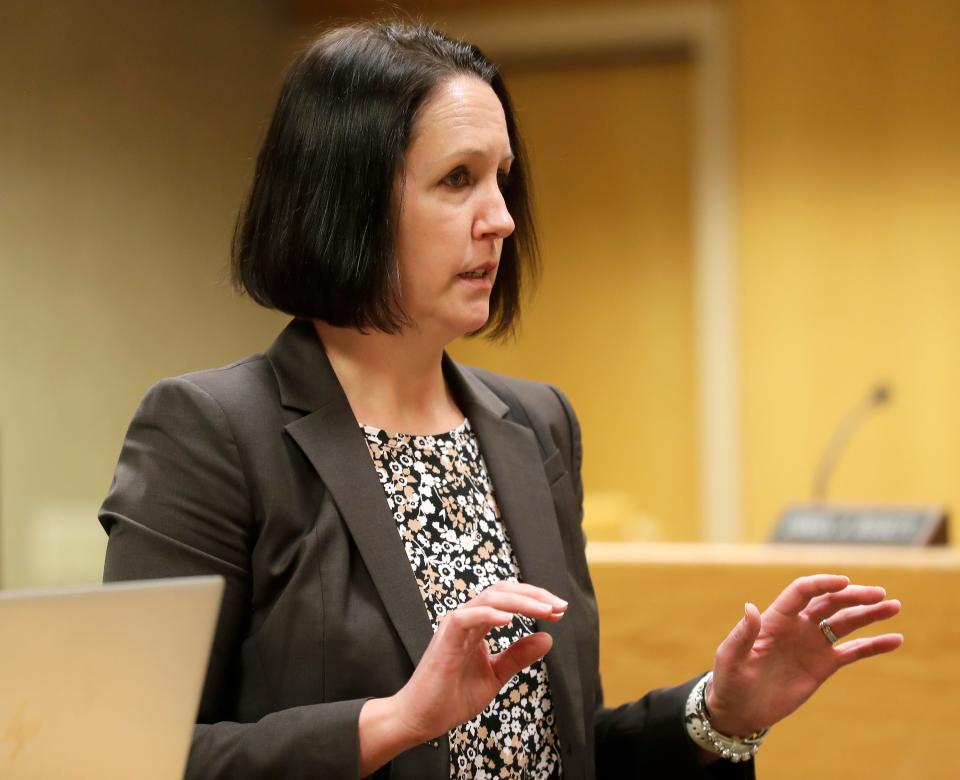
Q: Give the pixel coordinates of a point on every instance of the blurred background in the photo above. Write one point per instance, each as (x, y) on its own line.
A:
(748, 213)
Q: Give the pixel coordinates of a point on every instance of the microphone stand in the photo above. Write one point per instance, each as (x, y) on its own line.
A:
(849, 424)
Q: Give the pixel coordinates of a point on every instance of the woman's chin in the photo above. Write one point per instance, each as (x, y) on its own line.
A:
(453, 323)
(476, 323)
(467, 326)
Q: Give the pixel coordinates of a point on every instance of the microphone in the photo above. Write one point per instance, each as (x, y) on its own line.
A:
(878, 396)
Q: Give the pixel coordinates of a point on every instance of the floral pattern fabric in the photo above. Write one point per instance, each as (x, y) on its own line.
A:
(441, 497)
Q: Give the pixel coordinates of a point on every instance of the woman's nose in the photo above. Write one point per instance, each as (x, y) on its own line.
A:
(493, 220)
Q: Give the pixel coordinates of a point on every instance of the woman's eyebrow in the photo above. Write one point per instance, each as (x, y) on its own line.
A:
(477, 152)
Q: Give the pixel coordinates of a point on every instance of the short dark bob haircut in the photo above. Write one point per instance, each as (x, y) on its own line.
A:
(315, 237)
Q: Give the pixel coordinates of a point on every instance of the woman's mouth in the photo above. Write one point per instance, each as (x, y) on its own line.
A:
(478, 279)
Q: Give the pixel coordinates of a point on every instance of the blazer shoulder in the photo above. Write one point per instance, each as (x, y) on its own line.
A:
(237, 388)
(250, 370)
(235, 401)
(546, 406)
(543, 398)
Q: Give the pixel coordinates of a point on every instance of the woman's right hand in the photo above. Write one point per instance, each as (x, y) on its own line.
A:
(457, 676)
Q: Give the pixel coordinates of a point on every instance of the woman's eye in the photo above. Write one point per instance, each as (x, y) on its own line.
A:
(457, 178)
(503, 179)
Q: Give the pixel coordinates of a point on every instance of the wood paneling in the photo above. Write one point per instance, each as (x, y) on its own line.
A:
(665, 608)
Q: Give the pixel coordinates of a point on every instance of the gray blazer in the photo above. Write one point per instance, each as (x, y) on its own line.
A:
(259, 472)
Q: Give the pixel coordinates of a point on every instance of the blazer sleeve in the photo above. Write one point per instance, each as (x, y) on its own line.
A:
(645, 738)
(180, 504)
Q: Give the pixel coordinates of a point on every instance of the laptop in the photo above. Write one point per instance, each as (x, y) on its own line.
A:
(103, 682)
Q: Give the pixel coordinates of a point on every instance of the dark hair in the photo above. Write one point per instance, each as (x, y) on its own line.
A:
(316, 236)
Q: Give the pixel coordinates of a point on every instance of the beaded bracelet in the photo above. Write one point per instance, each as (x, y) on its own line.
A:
(696, 717)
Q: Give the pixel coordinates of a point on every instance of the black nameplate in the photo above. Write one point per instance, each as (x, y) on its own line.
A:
(890, 525)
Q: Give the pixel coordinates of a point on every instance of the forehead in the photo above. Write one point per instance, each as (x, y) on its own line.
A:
(462, 111)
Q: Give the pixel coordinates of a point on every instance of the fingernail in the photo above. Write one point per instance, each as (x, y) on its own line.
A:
(563, 604)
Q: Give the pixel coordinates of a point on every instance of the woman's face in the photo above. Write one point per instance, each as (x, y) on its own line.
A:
(452, 219)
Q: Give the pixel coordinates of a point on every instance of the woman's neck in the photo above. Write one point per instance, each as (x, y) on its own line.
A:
(392, 381)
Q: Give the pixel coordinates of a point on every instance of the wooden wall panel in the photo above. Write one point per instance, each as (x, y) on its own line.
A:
(664, 609)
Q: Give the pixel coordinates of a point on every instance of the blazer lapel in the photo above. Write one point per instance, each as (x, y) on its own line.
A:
(515, 463)
(330, 437)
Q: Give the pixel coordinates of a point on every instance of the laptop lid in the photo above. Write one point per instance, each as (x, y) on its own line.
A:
(104, 681)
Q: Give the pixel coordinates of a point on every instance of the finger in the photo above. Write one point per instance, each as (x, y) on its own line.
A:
(824, 606)
(525, 589)
(798, 593)
(846, 621)
(514, 602)
(858, 649)
(740, 640)
(520, 655)
(468, 625)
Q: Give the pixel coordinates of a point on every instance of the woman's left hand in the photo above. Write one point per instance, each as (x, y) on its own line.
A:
(773, 662)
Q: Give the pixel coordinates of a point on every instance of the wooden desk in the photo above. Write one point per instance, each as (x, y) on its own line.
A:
(665, 607)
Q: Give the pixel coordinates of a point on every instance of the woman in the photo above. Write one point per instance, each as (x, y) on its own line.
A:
(415, 604)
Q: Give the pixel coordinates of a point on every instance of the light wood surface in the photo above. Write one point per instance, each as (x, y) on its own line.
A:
(665, 607)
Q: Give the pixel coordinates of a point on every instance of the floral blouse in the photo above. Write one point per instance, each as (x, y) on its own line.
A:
(441, 498)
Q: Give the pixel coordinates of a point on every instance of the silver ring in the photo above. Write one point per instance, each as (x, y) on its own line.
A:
(828, 632)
